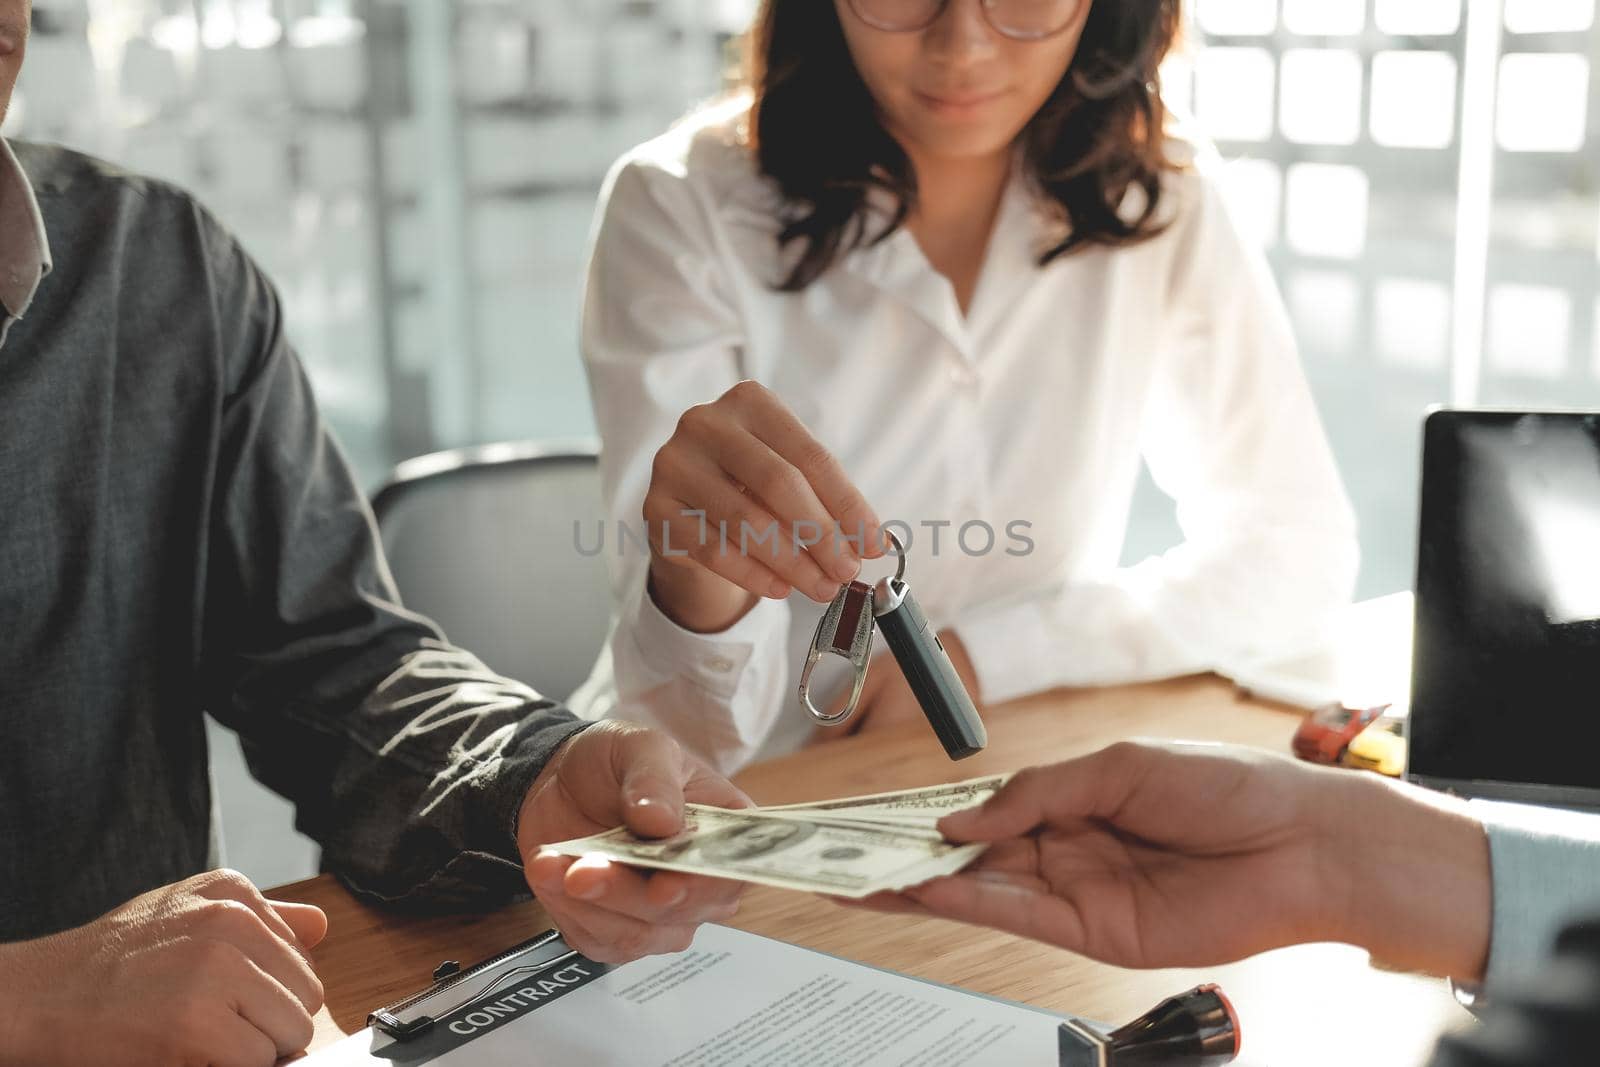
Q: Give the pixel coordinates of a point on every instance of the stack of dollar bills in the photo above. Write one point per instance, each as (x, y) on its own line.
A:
(851, 847)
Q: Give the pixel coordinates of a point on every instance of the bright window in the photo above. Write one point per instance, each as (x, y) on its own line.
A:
(1237, 18)
(1233, 93)
(1543, 102)
(1418, 18)
(1321, 96)
(1529, 327)
(1326, 306)
(1413, 99)
(1411, 323)
(1327, 210)
(1549, 16)
(1324, 18)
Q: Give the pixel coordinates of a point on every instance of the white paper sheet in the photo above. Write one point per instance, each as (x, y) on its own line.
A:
(738, 1000)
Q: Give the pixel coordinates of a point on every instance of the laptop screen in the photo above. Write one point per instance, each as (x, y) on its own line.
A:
(1506, 666)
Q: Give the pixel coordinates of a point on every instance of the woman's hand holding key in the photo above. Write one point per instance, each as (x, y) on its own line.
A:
(744, 503)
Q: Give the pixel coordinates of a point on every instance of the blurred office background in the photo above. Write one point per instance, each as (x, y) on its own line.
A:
(419, 177)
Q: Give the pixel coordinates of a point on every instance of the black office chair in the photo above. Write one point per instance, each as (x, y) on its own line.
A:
(482, 541)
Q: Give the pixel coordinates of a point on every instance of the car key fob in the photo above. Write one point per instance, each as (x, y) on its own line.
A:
(933, 678)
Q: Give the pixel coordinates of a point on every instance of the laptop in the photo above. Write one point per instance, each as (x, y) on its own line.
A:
(1505, 679)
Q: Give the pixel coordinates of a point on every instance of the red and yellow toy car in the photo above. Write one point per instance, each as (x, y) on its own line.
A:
(1326, 733)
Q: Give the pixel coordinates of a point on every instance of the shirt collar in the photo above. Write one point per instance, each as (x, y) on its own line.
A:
(897, 265)
(24, 247)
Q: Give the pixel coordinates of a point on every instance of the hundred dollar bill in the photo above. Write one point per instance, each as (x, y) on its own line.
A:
(921, 807)
(817, 855)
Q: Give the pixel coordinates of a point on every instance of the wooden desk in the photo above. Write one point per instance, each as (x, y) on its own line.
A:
(1301, 1007)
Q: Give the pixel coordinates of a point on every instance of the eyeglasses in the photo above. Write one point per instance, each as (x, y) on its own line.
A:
(1020, 20)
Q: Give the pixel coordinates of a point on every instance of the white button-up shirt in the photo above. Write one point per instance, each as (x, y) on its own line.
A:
(1027, 416)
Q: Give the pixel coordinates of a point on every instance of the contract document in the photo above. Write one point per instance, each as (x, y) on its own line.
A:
(731, 1000)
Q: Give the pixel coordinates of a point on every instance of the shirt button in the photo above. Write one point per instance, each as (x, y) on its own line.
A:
(720, 664)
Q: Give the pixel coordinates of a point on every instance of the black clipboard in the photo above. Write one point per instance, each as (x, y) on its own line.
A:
(457, 992)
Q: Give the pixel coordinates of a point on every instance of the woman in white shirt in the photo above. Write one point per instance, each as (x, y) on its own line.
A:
(851, 298)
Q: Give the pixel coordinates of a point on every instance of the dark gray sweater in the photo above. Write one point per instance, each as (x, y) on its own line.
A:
(180, 535)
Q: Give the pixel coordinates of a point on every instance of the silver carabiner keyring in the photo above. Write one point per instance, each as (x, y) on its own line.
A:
(845, 630)
(899, 556)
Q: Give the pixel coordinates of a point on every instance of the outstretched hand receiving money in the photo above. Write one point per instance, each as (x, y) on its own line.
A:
(851, 847)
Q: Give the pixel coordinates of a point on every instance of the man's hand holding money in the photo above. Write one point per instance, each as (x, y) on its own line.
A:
(611, 774)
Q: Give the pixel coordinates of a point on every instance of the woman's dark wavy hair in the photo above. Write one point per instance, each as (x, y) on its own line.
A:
(814, 129)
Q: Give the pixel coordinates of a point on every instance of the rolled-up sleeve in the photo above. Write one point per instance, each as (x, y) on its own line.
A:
(405, 758)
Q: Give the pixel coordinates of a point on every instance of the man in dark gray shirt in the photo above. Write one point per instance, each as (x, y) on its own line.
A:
(180, 535)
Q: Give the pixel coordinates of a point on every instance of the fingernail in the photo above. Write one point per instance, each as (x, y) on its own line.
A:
(1000, 878)
(679, 897)
(648, 802)
(591, 891)
(957, 822)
